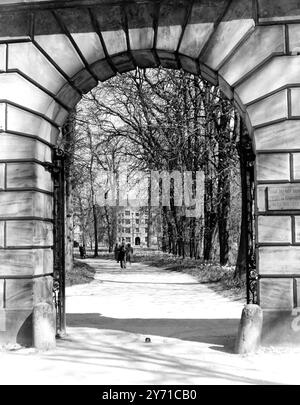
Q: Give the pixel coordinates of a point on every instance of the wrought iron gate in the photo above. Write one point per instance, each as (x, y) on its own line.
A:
(248, 209)
(57, 170)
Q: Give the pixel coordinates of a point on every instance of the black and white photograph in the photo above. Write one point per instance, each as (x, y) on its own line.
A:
(149, 196)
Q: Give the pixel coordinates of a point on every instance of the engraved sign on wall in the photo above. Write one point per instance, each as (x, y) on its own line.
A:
(284, 197)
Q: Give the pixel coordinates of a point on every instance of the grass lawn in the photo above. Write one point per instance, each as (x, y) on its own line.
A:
(81, 273)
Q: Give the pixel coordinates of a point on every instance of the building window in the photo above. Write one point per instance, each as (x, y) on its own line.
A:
(128, 240)
(123, 230)
(137, 230)
(127, 230)
(137, 214)
(127, 221)
(146, 221)
(146, 239)
(137, 221)
(127, 212)
(146, 230)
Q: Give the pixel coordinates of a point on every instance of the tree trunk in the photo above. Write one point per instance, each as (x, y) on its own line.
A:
(68, 136)
(96, 250)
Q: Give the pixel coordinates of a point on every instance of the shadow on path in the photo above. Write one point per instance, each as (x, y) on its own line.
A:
(212, 331)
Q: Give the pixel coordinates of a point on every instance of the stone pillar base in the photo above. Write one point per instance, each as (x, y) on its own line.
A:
(250, 329)
(44, 327)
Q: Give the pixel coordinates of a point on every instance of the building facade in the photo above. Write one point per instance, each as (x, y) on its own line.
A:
(133, 226)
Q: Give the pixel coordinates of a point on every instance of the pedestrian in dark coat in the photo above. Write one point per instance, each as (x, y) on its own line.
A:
(116, 251)
(122, 256)
(129, 253)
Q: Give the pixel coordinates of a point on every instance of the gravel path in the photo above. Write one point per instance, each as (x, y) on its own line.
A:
(191, 329)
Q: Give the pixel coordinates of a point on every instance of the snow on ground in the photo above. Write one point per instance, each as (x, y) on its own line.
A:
(192, 331)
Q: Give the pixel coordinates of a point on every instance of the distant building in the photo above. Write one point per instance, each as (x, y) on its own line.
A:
(133, 227)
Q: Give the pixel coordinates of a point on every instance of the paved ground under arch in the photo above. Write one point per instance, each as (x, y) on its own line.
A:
(192, 330)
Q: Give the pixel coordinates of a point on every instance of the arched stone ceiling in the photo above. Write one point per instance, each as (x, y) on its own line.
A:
(58, 50)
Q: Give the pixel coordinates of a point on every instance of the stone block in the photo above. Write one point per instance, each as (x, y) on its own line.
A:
(21, 57)
(279, 260)
(2, 176)
(2, 234)
(272, 108)
(141, 38)
(168, 37)
(1, 296)
(43, 290)
(296, 166)
(294, 38)
(225, 88)
(56, 113)
(281, 327)
(25, 122)
(115, 41)
(2, 321)
(90, 46)
(44, 329)
(61, 50)
(200, 26)
(26, 262)
(3, 54)
(297, 229)
(15, 26)
(25, 203)
(260, 45)
(28, 233)
(280, 136)
(261, 198)
(84, 81)
(171, 19)
(3, 122)
(19, 294)
(168, 60)
(270, 11)
(273, 166)
(17, 89)
(274, 229)
(189, 64)
(276, 73)
(69, 96)
(123, 62)
(195, 37)
(276, 294)
(235, 25)
(19, 147)
(144, 59)
(28, 175)
(295, 102)
(102, 70)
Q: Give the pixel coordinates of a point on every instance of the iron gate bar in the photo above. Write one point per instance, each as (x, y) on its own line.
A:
(57, 170)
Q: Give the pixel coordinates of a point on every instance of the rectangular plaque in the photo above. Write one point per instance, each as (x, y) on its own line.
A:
(284, 197)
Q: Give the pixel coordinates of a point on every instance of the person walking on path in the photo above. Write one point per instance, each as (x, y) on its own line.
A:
(116, 251)
(129, 253)
(122, 256)
(82, 251)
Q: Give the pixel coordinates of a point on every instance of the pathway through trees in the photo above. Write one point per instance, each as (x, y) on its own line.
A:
(191, 328)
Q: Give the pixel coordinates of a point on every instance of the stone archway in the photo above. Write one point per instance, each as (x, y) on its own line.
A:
(51, 52)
